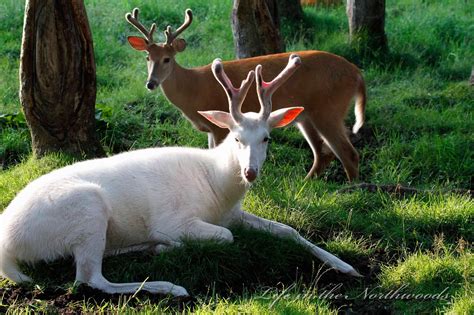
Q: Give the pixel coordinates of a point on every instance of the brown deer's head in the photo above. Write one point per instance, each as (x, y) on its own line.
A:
(160, 56)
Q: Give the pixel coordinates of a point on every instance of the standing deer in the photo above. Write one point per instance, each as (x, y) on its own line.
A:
(151, 198)
(325, 86)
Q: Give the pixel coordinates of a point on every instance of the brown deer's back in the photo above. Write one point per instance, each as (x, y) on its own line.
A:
(322, 79)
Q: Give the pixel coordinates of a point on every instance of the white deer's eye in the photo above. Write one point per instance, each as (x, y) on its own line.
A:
(266, 139)
(237, 140)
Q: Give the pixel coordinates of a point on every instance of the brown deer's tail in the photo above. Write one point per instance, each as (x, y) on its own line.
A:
(359, 109)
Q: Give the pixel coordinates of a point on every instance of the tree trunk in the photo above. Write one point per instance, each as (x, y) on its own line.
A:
(254, 29)
(272, 6)
(290, 9)
(366, 24)
(57, 78)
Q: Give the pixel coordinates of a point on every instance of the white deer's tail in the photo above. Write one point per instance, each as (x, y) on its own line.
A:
(359, 109)
(8, 265)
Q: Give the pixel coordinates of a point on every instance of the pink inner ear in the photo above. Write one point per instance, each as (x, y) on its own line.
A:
(137, 43)
(213, 119)
(290, 115)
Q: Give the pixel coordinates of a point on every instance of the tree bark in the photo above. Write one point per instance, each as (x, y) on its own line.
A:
(272, 6)
(367, 23)
(57, 78)
(290, 9)
(255, 30)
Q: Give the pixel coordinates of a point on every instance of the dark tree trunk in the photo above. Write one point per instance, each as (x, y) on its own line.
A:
(255, 30)
(57, 78)
(367, 23)
(272, 6)
(290, 9)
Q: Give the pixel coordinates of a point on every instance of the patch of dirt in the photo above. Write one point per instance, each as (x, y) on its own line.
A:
(62, 301)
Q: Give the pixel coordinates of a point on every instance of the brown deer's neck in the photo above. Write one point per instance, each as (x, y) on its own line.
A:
(181, 87)
(190, 91)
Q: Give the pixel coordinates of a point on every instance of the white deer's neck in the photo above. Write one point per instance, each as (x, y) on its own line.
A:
(228, 179)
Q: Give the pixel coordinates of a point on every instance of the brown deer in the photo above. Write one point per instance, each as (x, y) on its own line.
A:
(324, 85)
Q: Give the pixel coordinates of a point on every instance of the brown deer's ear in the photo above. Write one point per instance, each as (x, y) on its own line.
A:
(138, 43)
(179, 44)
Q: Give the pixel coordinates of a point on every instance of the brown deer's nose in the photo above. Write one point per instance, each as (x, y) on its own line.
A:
(150, 85)
(250, 174)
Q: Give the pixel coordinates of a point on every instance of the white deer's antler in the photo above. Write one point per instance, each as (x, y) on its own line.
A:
(265, 90)
(235, 96)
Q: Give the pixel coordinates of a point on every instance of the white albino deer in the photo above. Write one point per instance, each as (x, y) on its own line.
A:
(151, 198)
(325, 86)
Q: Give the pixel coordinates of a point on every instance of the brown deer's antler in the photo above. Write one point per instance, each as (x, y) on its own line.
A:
(236, 96)
(265, 90)
(132, 18)
(170, 36)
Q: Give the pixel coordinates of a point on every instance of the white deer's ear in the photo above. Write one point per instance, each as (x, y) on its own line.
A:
(218, 118)
(284, 116)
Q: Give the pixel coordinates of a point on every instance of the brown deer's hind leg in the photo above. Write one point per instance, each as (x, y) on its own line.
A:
(336, 138)
(322, 154)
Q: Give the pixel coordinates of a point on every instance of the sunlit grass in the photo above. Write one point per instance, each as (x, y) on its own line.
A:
(445, 275)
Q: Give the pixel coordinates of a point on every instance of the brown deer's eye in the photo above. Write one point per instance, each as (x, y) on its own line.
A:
(166, 60)
(147, 58)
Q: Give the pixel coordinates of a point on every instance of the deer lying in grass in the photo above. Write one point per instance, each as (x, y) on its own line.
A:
(150, 199)
(325, 86)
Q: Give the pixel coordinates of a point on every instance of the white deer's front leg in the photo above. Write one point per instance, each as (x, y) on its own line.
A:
(282, 230)
(200, 230)
(194, 229)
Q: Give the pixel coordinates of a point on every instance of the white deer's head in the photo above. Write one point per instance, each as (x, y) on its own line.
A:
(250, 131)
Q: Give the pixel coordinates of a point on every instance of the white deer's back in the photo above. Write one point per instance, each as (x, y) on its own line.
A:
(144, 191)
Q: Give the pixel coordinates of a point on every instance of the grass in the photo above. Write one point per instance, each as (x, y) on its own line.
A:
(418, 133)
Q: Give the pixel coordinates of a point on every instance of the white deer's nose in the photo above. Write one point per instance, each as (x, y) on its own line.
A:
(250, 174)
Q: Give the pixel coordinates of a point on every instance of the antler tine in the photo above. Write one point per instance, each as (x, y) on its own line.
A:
(188, 19)
(133, 19)
(265, 90)
(235, 96)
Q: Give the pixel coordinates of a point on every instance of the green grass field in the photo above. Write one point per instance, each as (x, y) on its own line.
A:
(419, 133)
